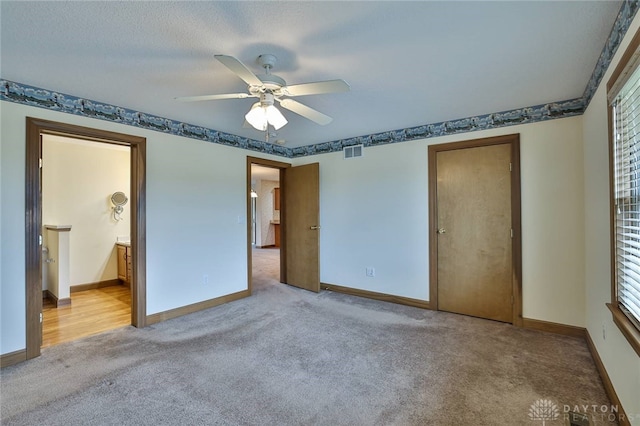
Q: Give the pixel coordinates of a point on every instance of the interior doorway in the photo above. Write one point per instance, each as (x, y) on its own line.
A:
(265, 225)
(87, 229)
(264, 219)
(474, 203)
(36, 128)
(299, 225)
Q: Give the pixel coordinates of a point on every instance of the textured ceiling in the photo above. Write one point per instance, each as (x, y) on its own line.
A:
(408, 63)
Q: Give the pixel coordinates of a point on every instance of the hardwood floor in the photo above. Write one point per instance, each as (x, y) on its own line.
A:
(91, 312)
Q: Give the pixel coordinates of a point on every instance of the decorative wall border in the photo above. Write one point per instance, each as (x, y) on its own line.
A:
(35, 96)
(43, 98)
(494, 120)
(620, 26)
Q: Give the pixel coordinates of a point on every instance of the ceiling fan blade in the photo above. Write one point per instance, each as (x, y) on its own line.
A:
(317, 88)
(239, 69)
(213, 97)
(305, 111)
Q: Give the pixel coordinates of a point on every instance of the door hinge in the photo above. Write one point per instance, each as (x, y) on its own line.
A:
(40, 162)
(511, 232)
(40, 317)
(40, 239)
(510, 167)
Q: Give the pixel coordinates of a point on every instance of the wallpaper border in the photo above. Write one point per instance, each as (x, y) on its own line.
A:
(43, 98)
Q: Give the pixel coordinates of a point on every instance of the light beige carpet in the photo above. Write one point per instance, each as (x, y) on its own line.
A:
(290, 357)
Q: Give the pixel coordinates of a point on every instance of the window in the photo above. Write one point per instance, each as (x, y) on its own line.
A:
(623, 91)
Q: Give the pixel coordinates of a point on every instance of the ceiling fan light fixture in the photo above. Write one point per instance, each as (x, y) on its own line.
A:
(260, 116)
(275, 117)
(257, 117)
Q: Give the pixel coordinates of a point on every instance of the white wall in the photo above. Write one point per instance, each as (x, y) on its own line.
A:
(266, 212)
(620, 360)
(78, 178)
(374, 213)
(195, 198)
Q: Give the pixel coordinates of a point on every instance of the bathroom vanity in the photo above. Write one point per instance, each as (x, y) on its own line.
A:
(124, 262)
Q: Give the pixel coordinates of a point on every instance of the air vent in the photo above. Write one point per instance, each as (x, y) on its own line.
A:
(353, 151)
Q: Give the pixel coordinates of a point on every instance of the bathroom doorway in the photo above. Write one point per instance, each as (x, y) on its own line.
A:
(86, 237)
(36, 130)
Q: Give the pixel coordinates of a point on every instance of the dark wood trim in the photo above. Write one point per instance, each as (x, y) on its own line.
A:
(516, 216)
(553, 327)
(63, 302)
(267, 163)
(13, 358)
(195, 307)
(46, 294)
(516, 223)
(36, 127)
(626, 326)
(629, 331)
(33, 232)
(283, 225)
(138, 282)
(606, 381)
(376, 296)
(276, 165)
(92, 286)
(433, 224)
(612, 210)
(624, 60)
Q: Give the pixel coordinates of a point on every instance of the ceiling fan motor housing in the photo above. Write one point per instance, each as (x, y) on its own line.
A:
(271, 82)
(266, 99)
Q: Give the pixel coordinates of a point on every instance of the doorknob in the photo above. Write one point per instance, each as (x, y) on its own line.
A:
(314, 227)
(442, 231)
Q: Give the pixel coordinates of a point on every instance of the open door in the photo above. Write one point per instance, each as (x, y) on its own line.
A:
(301, 232)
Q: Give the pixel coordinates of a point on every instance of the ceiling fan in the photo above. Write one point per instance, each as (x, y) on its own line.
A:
(270, 88)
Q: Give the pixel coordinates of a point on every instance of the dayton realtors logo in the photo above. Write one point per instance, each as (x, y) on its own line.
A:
(544, 410)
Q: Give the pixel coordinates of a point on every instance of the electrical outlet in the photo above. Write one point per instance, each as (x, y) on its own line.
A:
(205, 279)
(370, 272)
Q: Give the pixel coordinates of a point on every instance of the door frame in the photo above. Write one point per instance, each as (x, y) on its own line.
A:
(35, 127)
(516, 222)
(283, 225)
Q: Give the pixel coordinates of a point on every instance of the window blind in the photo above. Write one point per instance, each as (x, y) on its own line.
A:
(626, 127)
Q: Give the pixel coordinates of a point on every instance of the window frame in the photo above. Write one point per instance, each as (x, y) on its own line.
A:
(626, 66)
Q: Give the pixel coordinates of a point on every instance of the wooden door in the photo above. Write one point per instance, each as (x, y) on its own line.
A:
(301, 230)
(474, 232)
